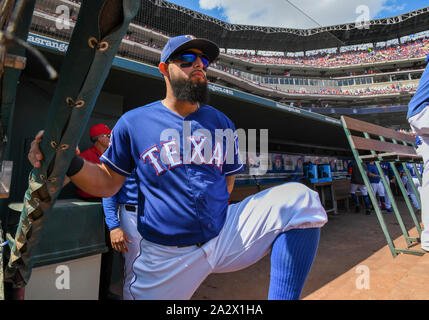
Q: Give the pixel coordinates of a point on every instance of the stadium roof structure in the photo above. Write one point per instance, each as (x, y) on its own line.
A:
(173, 20)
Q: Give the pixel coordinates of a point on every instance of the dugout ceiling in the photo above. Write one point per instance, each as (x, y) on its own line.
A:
(174, 20)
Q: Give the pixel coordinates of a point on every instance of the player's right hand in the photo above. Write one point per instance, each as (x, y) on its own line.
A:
(119, 239)
(35, 156)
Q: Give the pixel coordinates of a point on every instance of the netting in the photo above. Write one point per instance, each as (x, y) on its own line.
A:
(100, 25)
(55, 19)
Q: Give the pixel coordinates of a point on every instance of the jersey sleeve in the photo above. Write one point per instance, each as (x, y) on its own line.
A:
(110, 209)
(118, 156)
(236, 165)
(421, 97)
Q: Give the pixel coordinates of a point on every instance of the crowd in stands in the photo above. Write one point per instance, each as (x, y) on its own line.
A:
(143, 42)
(382, 90)
(411, 49)
(368, 91)
(313, 106)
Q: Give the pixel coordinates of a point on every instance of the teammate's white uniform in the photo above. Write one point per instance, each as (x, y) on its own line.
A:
(358, 187)
(125, 202)
(418, 117)
(128, 220)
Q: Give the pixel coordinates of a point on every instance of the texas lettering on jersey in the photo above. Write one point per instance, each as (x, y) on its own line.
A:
(198, 149)
(166, 155)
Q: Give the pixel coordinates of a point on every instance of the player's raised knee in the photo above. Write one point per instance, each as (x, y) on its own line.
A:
(296, 205)
(295, 189)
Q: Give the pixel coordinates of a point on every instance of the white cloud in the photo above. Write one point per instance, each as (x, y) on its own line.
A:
(280, 13)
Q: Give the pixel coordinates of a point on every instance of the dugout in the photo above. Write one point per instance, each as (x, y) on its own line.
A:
(131, 84)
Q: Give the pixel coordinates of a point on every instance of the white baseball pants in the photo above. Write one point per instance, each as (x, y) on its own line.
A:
(378, 188)
(420, 124)
(128, 221)
(358, 187)
(251, 226)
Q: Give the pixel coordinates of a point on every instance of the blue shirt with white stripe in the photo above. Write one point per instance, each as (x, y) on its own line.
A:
(181, 164)
(128, 194)
(387, 169)
(372, 168)
(421, 98)
(411, 170)
(418, 141)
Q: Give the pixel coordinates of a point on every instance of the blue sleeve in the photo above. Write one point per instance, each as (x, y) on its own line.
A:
(118, 156)
(233, 165)
(418, 141)
(421, 98)
(110, 208)
(372, 169)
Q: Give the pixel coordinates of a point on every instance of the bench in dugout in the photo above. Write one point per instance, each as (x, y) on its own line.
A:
(341, 193)
(370, 142)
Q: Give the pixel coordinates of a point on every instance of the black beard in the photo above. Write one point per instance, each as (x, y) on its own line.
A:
(188, 90)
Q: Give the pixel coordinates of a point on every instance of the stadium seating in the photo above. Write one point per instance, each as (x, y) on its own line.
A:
(409, 50)
(144, 44)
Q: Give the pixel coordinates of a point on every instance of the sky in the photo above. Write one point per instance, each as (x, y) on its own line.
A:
(300, 14)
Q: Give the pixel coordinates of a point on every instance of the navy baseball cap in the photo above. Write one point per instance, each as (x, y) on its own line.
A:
(182, 43)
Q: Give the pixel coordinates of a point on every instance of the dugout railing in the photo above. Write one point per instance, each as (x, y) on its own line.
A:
(370, 142)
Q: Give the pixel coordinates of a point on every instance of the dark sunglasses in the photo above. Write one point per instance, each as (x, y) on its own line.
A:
(189, 57)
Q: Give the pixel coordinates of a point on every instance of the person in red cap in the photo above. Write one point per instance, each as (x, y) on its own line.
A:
(100, 136)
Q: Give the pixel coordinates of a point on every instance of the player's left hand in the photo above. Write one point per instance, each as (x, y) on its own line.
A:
(119, 240)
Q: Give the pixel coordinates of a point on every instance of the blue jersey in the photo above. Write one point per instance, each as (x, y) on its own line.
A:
(411, 170)
(387, 169)
(418, 141)
(372, 168)
(128, 194)
(421, 98)
(181, 164)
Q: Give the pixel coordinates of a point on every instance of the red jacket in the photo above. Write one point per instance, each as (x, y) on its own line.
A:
(92, 155)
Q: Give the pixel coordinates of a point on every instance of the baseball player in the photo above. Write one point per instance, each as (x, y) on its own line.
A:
(123, 231)
(418, 117)
(376, 184)
(357, 184)
(407, 183)
(186, 156)
(389, 174)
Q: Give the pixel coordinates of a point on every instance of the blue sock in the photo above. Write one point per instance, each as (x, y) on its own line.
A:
(366, 199)
(355, 199)
(292, 256)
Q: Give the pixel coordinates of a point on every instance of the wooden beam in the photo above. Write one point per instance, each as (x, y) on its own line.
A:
(360, 143)
(362, 126)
